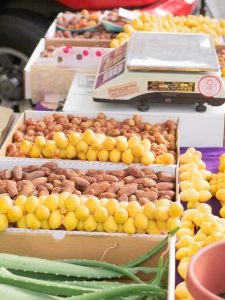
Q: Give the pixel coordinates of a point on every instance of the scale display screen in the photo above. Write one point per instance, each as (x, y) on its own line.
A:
(174, 86)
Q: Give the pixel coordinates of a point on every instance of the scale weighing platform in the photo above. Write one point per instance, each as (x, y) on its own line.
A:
(161, 68)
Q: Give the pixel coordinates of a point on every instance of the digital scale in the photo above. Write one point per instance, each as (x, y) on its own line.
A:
(161, 68)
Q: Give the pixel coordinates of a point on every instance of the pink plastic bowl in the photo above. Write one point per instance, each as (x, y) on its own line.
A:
(206, 272)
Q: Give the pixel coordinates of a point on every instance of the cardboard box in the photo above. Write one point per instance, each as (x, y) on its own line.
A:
(117, 115)
(45, 77)
(52, 40)
(113, 248)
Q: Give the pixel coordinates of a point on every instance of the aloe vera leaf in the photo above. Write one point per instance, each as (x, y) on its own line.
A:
(96, 284)
(128, 290)
(38, 265)
(96, 263)
(107, 266)
(137, 261)
(42, 286)
(11, 292)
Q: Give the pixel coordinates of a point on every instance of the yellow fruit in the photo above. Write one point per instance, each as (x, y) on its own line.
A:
(204, 208)
(32, 221)
(15, 213)
(127, 28)
(114, 43)
(141, 221)
(82, 156)
(173, 223)
(175, 209)
(181, 253)
(121, 143)
(182, 269)
(115, 156)
(201, 164)
(80, 226)
(100, 214)
(5, 204)
(70, 151)
(200, 237)
(82, 147)
(72, 202)
(110, 225)
(193, 248)
(198, 219)
(47, 154)
(22, 223)
(191, 150)
(184, 185)
(185, 231)
(163, 202)
(103, 201)
(184, 241)
(127, 157)
(133, 208)
(92, 203)
(74, 138)
(35, 152)
(216, 227)
(148, 210)
(162, 226)
(146, 144)
(25, 147)
(99, 227)
(82, 212)
(120, 228)
(62, 153)
(109, 143)
(138, 150)
(3, 222)
(103, 155)
(208, 217)
(20, 201)
(97, 144)
(92, 155)
(40, 141)
(165, 159)
(153, 227)
(161, 213)
(62, 198)
(88, 136)
(52, 202)
(50, 146)
(44, 224)
(133, 142)
(205, 227)
(42, 212)
(185, 158)
(191, 195)
(122, 35)
(183, 176)
(186, 224)
(147, 158)
(222, 212)
(70, 221)
(31, 204)
(42, 199)
(189, 214)
(55, 220)
(112, 206)
(137, 160)
(220, 195)
(129, 226)
(121, 215)
(204, 196)
(181, 291)
(62, 142)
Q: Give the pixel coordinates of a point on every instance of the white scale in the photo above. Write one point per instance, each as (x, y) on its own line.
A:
(161, 68)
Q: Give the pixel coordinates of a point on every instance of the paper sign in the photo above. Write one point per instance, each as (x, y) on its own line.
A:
(123, 90)
(128, 14)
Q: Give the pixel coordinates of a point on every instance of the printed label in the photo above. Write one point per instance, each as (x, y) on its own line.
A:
(110, 74)
(168, 86)
(209, 86)
(123, 90)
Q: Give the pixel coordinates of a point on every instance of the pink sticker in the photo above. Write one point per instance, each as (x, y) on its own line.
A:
(85, 53)
(66, 49)
(209, 86)
(98, 53)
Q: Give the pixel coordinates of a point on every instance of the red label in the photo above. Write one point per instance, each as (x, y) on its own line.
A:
(209, 86)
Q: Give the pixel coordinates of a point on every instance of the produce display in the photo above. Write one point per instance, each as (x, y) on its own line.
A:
(142, 185)
(221, 58)
(169, 23)
(67, 211)
(75, 21)
(80, 137)
(99, 33)
(113, 17)
(31, 278)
